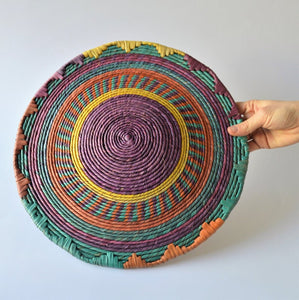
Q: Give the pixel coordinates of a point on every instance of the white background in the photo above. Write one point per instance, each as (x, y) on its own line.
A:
(253, 47)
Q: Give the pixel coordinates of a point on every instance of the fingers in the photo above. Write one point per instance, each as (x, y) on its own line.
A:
(253, 146)
(242, 107)
(246, 109)
(247, 127)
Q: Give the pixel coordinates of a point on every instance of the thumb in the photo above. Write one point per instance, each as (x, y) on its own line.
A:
(247, 127)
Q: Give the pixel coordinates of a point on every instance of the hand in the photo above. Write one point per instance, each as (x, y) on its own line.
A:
(269, 124)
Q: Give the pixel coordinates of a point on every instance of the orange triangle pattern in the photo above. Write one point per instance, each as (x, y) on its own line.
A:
(172, 251)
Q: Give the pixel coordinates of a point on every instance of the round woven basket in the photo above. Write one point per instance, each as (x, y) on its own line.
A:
(123, 157)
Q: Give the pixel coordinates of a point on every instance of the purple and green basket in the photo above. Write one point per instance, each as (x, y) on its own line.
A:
(123, 157)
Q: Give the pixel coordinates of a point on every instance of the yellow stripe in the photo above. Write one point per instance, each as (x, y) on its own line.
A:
(137, 197)
(130, 45)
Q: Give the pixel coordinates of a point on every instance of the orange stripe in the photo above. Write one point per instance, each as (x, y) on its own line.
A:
(61, 139)
(130, 79)
(110, 83)
(151, 205)
(80, 104)
(139, 210)
(117, 210)
(129, 209)
(68, 122)
(188, 168)
(171, 197)
(186, 180)
(100, 87)
(163, 206)
(95, 204)
(106, 209)
(93, 92)
(81, 189)
(67, 176)
(67, 160)
(85, 96)
(183, 105)
(181, 192)
(166, 91)
(67, 131)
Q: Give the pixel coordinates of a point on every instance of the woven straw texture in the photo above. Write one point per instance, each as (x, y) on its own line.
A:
(123, 159)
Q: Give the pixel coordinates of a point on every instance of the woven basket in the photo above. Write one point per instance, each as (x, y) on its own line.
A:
(123, 158)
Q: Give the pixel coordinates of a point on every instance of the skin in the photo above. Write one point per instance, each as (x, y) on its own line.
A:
(268, 124)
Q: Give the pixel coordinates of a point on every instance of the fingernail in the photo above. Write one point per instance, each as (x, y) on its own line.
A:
(233, 129)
